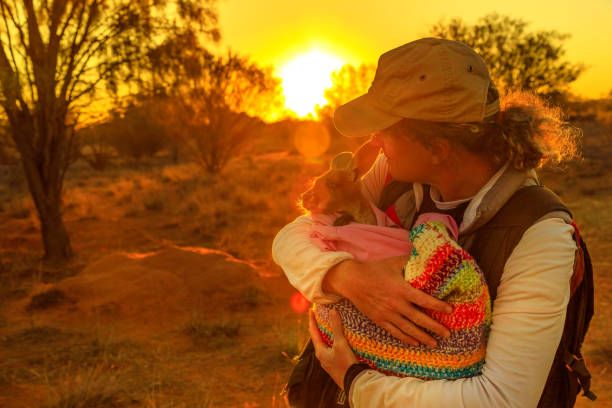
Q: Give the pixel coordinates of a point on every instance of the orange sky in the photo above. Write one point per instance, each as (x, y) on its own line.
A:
(275, 31)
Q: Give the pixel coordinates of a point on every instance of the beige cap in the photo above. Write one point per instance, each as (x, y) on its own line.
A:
(428, 79)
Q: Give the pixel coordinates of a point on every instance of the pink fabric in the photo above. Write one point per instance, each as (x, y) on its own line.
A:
(370, 242)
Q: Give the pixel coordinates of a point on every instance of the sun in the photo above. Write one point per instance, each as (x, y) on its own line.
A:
(305, 78)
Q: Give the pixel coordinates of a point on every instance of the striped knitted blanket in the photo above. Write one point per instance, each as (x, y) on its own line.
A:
(441, 268)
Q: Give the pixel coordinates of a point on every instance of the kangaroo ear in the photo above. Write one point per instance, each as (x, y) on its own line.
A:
(343, 161)
(365, 157)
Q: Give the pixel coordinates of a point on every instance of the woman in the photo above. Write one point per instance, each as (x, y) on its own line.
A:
(436, 115)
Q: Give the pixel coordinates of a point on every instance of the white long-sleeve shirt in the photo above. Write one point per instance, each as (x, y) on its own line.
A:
(527, 319)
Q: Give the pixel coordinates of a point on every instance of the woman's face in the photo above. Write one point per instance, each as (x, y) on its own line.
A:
(409, 160)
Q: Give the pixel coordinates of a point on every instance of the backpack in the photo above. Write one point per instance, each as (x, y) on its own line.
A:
(568, 374)
(309, 386)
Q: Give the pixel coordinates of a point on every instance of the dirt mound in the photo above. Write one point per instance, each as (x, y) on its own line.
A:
(157, 289)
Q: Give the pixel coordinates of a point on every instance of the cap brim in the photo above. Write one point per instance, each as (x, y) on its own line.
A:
(361, 117)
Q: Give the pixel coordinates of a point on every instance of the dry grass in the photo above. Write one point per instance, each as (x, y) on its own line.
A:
(19, 206)
(89, 387)
(97, 369)
(47, 299)
(213, 335)
(140, 209)
(239, 358)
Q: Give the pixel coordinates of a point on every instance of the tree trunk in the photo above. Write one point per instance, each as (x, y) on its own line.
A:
(47, 200)
(43, 171)
(55, 237)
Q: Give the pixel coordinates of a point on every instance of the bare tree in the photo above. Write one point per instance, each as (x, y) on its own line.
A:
(517, 58)
(54, 55)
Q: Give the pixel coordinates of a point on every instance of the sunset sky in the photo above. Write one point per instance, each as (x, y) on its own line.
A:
(276, 32)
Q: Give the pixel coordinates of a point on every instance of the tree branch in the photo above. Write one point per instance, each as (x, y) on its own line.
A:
(59, 7)
(5, 7)
(36, 42)
(74, 48)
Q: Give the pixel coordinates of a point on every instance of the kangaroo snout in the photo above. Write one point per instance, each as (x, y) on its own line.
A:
(316, 198)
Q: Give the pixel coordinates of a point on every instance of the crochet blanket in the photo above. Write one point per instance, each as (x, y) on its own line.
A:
(441, 268)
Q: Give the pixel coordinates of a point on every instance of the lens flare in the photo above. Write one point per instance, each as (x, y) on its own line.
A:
(311, 139)
(299, 303)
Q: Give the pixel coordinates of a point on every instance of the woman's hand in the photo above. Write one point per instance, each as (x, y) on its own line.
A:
(337, 359)
(379, 291)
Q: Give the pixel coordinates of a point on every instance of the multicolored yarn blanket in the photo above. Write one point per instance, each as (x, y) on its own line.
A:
(441, 268)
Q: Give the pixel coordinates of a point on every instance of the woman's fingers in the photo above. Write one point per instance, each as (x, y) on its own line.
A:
(336, 326)
(399, 334)
(315, 335)
(379, 291)
(422, 320)
(426, 301)
(337, 359)
(412, 330)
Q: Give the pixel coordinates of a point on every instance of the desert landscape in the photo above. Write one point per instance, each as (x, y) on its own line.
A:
(146, 167)
(173, 300)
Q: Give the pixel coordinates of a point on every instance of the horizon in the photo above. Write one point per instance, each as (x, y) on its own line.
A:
(275, 33)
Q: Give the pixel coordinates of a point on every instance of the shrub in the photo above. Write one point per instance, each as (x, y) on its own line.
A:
(45, 300)
(137, 132)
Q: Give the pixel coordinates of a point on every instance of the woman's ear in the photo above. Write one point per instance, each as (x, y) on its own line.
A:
(440, 150)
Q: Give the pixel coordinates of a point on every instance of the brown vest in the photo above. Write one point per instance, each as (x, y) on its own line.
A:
(495, 241)
(491, 247)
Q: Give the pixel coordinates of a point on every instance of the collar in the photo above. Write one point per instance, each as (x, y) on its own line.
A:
(489, 199)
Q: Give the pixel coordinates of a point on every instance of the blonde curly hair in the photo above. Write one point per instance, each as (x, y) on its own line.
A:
(526, 132)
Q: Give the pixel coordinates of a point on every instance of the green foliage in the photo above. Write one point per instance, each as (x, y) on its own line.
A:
(517, 58)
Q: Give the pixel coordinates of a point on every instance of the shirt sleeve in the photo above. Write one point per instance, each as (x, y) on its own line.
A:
(527, 323)
(304, 264)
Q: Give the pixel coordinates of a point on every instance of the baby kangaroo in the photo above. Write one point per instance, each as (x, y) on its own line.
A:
(338, 190)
